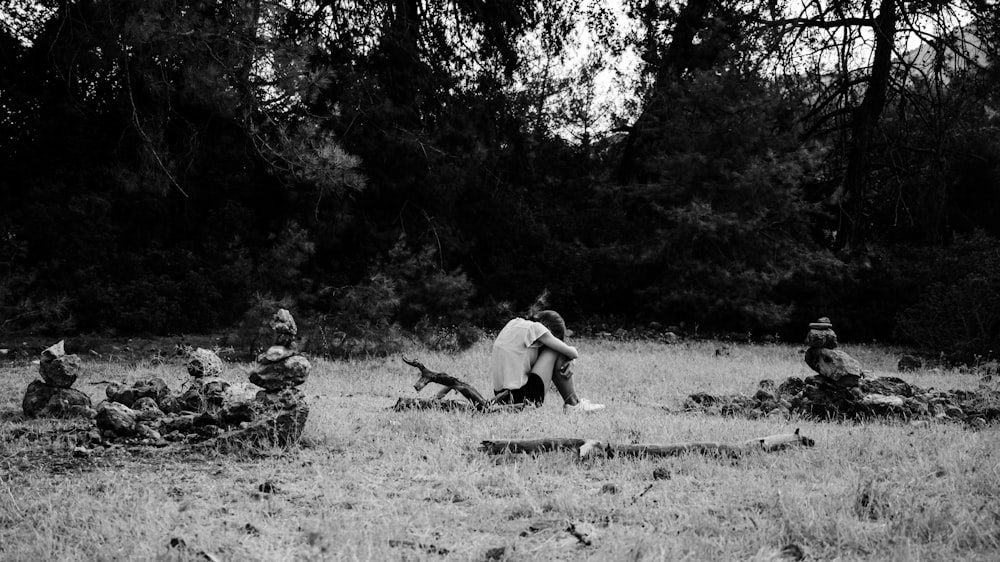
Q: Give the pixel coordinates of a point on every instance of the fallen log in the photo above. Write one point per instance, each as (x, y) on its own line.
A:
(589, 447)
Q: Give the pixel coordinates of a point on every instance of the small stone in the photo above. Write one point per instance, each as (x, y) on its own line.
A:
(204, 363)
(275, 354)
(283, 324)
(178, 424)
(764, 396)
(821, 338)
(284, 398)
(116, 418)
(61, 371)
(143, 431)
(206, 418)
(147, 409)
(909, 363)
(702, 399)
(152, 387)
(53, 352)
(791, 387)
(882, 400)
(214, 390)
(119, 393)
(661, 473)
(954, 412)
(823, 323)
(170, 404)
(237, 413)
(290, 372)
(192, 400)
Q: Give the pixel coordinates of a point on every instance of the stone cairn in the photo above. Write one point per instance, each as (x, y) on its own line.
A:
(279, 373)
(842, 390)
(53, 396)
(149, 412)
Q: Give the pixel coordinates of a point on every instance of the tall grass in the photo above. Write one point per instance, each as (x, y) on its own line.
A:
(373, 484)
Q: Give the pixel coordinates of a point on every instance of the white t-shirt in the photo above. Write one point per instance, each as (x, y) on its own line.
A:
(514, 351)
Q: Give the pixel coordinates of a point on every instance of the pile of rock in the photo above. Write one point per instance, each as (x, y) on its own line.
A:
(53, 396)
(149, 411)
(841, 390)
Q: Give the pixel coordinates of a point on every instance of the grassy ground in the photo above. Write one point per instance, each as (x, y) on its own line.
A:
(372, 484)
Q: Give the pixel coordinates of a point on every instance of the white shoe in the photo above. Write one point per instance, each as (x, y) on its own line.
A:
(583, 405)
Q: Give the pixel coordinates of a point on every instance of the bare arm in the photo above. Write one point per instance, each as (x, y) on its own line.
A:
(557, 345)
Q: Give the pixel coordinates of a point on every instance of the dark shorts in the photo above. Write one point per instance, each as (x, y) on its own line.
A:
(533, 392)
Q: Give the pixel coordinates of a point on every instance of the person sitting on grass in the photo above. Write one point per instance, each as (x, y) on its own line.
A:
(528, 354)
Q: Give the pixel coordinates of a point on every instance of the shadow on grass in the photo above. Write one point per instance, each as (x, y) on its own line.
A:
(13, 416)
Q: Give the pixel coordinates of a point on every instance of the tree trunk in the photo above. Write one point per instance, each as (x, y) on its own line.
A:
(678, 59)
(850, 198)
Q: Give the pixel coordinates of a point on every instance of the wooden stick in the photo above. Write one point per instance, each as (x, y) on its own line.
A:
(587, 447)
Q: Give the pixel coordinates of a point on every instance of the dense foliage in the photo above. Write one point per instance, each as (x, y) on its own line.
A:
(387, 165)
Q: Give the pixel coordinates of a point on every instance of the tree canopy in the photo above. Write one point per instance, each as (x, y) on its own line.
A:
(170, 166)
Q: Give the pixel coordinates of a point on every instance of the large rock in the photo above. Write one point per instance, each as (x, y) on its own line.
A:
(42, 400)
(61, 371)
(116, 418)
(204, 363)
(835, 365)
(275, 376)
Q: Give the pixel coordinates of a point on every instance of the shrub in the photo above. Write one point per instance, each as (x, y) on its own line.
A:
(959, 312)
(253, 333)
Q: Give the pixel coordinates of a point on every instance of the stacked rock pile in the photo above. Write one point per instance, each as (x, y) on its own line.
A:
(280, 371)
(53, 396)
(822, 356)
(841, 390)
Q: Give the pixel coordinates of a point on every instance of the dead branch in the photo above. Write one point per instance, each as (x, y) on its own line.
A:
(463, 388)
(588, 447)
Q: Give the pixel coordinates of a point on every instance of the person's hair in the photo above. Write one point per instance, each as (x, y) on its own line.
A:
(553, 321)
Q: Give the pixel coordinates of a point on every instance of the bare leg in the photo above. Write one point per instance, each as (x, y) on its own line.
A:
(548, 367)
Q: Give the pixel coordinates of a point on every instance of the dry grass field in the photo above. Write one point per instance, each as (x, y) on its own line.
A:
(372, 484)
